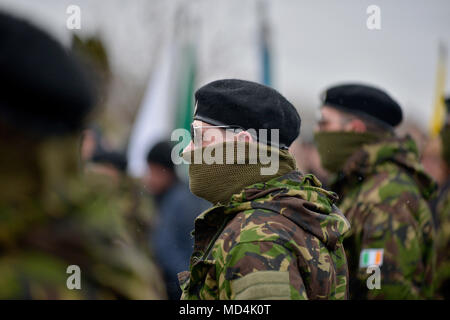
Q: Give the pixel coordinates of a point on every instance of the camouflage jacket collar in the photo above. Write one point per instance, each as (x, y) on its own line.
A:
(294, 183)
(298, 197)
(401, 152)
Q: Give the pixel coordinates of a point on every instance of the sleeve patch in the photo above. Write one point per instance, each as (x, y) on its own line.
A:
(262, 285)
(371, 257)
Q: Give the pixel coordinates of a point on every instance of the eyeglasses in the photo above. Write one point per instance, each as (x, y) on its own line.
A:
(322, 122)
(195, 132)
(236, 129)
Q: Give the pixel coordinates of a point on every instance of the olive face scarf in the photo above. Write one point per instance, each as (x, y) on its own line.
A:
(337, 146)
(217, 182)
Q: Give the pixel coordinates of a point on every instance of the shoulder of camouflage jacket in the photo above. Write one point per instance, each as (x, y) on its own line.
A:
(388, 204)
(388, 158)
(385, 183)
(285, 197)
(76, 225)
(263, 236)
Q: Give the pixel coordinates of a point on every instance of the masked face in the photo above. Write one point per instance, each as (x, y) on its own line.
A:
(338, 135)
(217, 181)
(336, 147)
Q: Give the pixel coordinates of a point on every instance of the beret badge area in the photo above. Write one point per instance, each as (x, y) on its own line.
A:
(249, 105)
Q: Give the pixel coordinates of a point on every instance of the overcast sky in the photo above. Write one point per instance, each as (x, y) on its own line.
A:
(314, 43)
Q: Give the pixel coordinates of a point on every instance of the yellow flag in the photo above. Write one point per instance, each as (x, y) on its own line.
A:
(437, 119)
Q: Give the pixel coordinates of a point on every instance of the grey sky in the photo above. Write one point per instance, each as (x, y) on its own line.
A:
(315, 43)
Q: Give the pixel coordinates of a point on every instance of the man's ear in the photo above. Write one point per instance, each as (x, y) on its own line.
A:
(244, 136)
(357, 125)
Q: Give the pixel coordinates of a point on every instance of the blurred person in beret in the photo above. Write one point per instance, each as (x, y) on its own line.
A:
(61, 236)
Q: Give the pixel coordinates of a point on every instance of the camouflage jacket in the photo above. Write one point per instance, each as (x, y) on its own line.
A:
(384, 193)
(64, 221)
(442, 219)
(131, 201)
(276, 240)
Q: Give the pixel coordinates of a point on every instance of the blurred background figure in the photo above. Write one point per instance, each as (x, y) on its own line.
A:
(109, 163)
(441, 211)
(108, 169)
(432, 160)
(51, 217)
(177, 209)
(308, 160)
(101, 162)
(91, 143)
(92, 53)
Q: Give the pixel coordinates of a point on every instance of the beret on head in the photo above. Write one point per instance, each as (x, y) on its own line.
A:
(161, 153)
(248, 105)
(366, 101)
(44, 91)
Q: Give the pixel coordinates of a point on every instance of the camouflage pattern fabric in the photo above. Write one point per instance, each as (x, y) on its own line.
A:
(442, 218)
(384, 193)
(132, 201)
(276, 240)
(51, 218)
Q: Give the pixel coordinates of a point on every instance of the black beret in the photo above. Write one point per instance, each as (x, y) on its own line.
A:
(161, 153)
(43, 89)
(248, 105)
(366, 101)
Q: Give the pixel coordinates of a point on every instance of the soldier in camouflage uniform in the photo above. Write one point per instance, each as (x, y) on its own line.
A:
(50, 216)
(384, 193)
(441, 212)
(107, 169)
(268, 236)
(130, 199)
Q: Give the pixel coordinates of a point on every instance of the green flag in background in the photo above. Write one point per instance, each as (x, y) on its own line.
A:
(186, 85)
(168, 103)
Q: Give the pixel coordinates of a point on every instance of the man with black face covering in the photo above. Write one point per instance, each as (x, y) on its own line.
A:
(384, 193)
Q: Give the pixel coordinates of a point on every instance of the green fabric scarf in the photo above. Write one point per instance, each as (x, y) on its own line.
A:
(335, 147)
(217, 182)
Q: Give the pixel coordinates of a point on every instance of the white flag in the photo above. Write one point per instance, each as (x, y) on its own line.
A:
(154, 121)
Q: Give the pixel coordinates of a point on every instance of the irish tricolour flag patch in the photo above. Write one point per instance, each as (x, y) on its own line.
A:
(371, 257)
